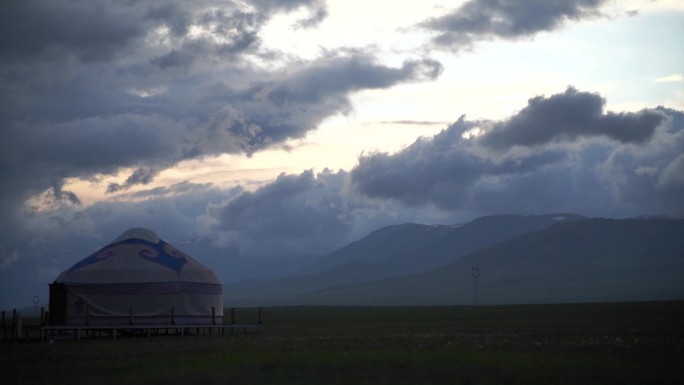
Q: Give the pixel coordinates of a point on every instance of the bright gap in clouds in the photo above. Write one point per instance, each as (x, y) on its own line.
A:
(380, 23)
(676, 78)
(335, 145)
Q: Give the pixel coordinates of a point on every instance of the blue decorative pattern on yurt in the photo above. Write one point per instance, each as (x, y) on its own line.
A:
(161, 253)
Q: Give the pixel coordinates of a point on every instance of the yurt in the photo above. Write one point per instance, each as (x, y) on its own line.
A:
(136, 279)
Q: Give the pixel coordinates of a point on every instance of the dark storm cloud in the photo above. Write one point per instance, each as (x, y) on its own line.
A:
(77, 119)
(190, 52)
(141, 175)
(297, 213)
(273, 111)
(440, 170)
(96, 30)
(302, 214)
(672, 177)
(483, 20)
(90, 30)
(560, 153)
(91, 88)
(37, 156)
(339, 75)
(460, 175)
(567, 116)
(238, 31)
(54, 151)
(649, 177)
(70, 111)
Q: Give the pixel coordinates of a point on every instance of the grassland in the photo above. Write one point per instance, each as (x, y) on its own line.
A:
(614, 343)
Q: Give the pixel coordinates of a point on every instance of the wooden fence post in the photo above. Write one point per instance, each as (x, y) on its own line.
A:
(173, 315)
(213, 315)
(42, 316)
(259, 316)
(18, 325)
(14, 323)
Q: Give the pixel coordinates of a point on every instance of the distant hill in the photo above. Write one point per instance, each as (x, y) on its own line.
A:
(412, 248)
(482, 232)
(570, 261)
(380, 245)
(400, 250)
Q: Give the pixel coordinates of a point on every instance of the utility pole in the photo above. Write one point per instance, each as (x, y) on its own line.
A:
(475, 273)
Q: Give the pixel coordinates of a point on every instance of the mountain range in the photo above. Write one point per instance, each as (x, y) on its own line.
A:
(520, 259)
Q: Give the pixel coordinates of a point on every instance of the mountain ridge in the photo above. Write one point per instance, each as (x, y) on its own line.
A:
(379, 244)
(588, 260)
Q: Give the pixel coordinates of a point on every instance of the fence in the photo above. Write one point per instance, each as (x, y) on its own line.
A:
(41, 329)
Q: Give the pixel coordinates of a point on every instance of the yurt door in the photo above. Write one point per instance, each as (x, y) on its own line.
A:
(58, 300)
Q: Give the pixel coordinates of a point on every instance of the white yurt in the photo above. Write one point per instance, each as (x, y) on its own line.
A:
(136, 279)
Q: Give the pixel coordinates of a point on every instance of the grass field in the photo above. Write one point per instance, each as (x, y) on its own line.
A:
(613, 343)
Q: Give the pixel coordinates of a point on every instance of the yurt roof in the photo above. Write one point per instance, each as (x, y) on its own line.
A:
(137, 255)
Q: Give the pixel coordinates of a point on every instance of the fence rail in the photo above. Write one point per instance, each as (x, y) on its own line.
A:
(17, 329)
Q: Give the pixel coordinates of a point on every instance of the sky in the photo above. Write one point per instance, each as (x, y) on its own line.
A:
(275, 130)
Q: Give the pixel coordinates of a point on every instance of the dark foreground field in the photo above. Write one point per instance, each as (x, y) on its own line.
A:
(632, 343)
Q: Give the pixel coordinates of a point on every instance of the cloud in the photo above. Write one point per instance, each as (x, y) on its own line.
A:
(90, 31)
(98, 31)
(40, 155)
(58, 224)
(452, 177)
(95, 88)
(484, 20)
(673, 174)
(660, 189)
(174, 190)
(295, 213)
(441, 170)
(542, 159)
(275, 110)
(448, 178)
(568, 116)
(141, 175)
(303, 214)
(56, 113)
(315, 19)
(560, 153)
(675, 78)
